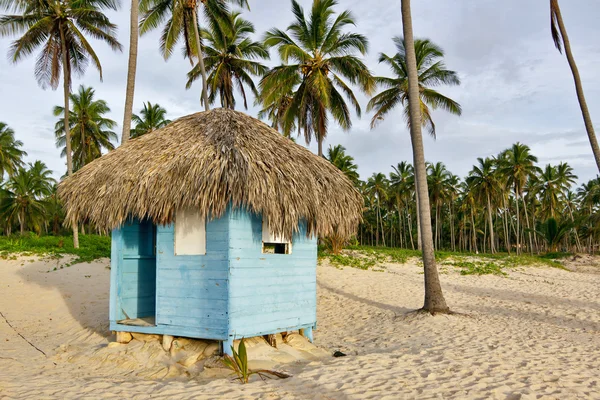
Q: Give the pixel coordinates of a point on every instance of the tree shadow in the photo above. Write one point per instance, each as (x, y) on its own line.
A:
(394, 309)
(89, 307)
(523, 297)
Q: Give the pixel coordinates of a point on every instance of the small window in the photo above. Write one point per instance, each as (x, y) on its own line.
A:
(274, 244)
(190, 233)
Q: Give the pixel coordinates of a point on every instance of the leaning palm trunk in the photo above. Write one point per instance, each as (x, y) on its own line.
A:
(491, 224)
(589, 127)
(434, 298)
(131, 70)
(66, 83)
(528, 226)
(200, 59)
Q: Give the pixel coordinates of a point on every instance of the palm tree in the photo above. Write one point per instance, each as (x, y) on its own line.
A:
(131, 68)
(91, 130)
(431, 72)
(230, 60)
(434, 298)
(438, 181)
(59, 27)
(11, 155)
(182, 23)
(321, 56)
(377, 189)
(151, 117)
(517, 164)
(275, 111)
(554, 232)
(402, 184)
(483, 180)
(560, 37)
(23, 201)
(344, 162)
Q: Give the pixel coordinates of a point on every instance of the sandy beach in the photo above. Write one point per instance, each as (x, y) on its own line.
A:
(532, 334)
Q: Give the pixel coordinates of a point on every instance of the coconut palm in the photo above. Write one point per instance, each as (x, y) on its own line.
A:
(230, 60)
(431, 72)
(517, 164)
(151, 117)
(553, 232)
(91, 131)
(344, 162)
(377, 190)
(402, 184)
(561, 39)
(434, 298)
(483, 180)
(438, 181)
(319, 55)
(60, 28)
(23, 201)
(180, 18)
(275, 111)
(11, 155)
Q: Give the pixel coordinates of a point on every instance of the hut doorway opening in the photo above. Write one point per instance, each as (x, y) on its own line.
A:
(136, 285)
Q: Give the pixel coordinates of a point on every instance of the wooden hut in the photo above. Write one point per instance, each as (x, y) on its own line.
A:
(214, 220)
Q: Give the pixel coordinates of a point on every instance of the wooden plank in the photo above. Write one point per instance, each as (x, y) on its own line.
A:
(268, 272)
(183, 302)
(182, 274)
(174, 330)
(197, 312)
(291, 307)
(190, 293)
(235, 284)
(192, 322)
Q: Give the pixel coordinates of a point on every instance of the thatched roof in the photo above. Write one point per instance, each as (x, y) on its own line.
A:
(208, 160)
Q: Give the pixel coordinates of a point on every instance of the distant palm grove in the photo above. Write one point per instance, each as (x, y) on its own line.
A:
(508, 202)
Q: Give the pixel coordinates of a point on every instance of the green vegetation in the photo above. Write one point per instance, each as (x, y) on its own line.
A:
(239, 365)
(373, 258)
(90, 248)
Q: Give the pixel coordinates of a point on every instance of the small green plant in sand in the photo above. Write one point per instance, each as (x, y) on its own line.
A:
(239, 365)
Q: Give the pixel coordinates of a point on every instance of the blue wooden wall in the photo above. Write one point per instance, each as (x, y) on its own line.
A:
(192, 290)
(269, 293)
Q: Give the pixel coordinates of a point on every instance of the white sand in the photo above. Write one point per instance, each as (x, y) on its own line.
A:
(533, 334)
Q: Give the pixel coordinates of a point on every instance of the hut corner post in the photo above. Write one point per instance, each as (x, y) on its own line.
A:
(226, 346)
(307, 333)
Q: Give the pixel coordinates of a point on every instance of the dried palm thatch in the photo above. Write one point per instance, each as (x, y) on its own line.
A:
(209, 160)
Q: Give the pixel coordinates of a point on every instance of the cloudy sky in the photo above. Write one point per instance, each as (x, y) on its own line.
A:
(515, 85)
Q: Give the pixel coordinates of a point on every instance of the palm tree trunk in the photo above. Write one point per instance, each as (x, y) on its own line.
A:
(490, 222)
(473, 231)
(200, 60)
(409, 222)
(22, 221)
(131, 70)
(589, 127)
(419, 247)
(452, 235)
(506, 227)
(67, 92)
(518, 223)
(527, 222)
(434, 298)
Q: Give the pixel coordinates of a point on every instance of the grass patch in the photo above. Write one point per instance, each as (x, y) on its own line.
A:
(369, 257)
(90, 248)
